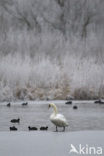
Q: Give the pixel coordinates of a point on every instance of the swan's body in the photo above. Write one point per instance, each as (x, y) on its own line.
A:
(58, 119)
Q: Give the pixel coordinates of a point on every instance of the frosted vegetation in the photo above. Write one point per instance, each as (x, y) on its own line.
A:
(50, 49)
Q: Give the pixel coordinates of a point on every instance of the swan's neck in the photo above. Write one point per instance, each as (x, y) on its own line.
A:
(55, 109)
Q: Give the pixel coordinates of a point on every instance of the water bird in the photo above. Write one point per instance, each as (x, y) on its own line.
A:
(44, 128)
(9, 104)
(32, 128)
(25, 104)
(75, 107)
(99, 101)
(13, 128)
(15, 120)
(57, 119)
(68, 102)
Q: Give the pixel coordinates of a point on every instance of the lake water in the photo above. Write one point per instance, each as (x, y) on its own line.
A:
(49, 143)
(88, 116)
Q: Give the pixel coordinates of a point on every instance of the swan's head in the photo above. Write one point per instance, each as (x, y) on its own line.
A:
(53, 106)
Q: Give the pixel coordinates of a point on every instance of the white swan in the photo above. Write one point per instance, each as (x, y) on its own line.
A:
(57, 119)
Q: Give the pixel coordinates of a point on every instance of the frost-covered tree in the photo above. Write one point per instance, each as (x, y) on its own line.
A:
(51, 47)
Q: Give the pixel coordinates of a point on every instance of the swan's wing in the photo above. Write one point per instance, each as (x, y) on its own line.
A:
(60, 120)
(61, 116)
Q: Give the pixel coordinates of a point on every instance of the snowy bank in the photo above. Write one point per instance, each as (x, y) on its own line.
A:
(47, 143)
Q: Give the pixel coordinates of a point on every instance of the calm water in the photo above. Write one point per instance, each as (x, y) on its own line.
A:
(88, 116)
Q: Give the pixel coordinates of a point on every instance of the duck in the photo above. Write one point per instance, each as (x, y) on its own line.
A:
(68, 102)
(75, 107)
(9, 104)
(25, 104)
(15, 120)
(32, 128)
(44, 128)
(99, 101)
(57, 119)
(13, 128)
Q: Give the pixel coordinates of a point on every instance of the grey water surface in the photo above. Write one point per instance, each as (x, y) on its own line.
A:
(88, 116)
